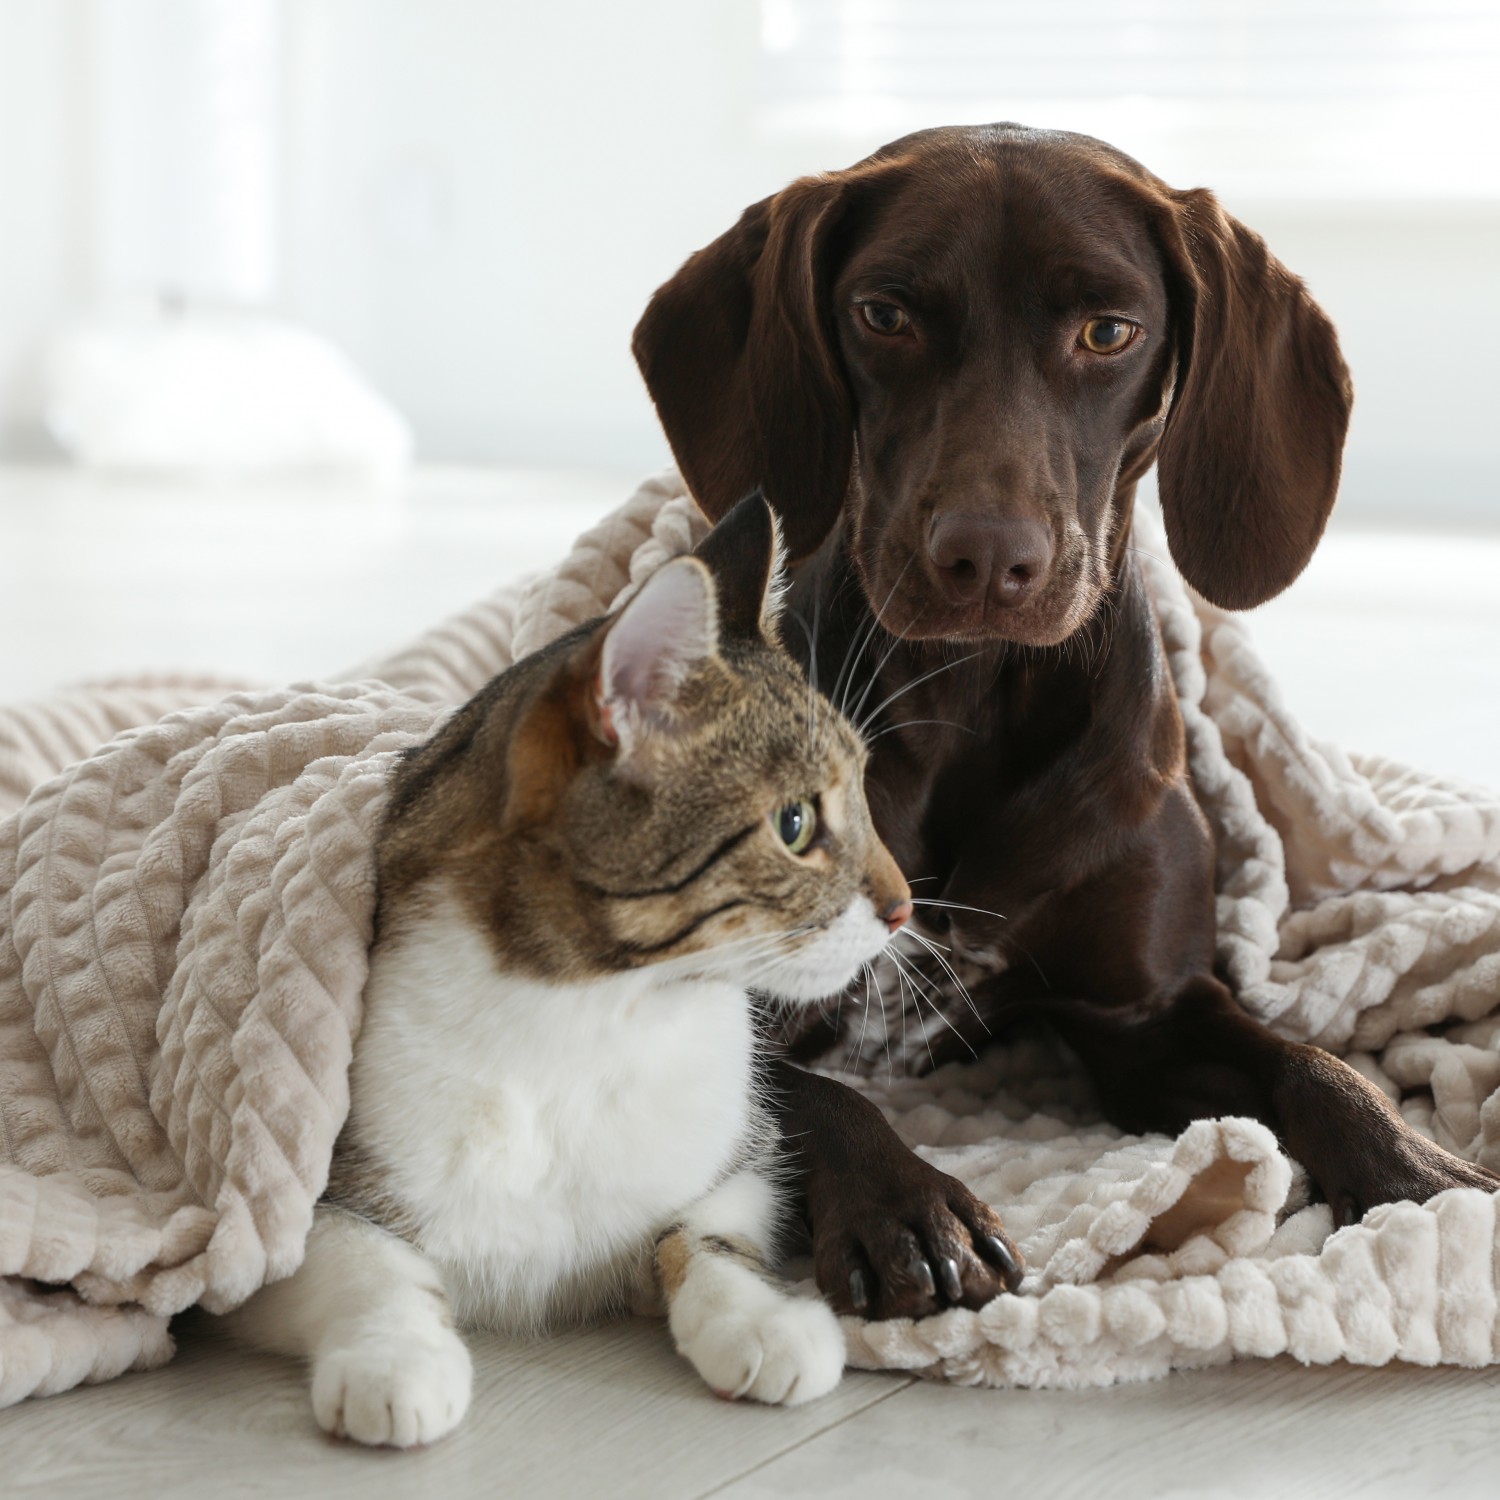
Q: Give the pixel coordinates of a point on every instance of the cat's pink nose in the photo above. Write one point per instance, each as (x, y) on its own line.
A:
(897, 915)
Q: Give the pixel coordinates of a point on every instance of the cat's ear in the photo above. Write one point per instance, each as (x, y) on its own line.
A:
(747, 557)
(651, 648)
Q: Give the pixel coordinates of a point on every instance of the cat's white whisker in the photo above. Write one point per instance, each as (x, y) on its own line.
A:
(890, 650)
(928, 990)
(720, 958)
(885, 1028)
(983, 911)
(856, 652)
(916, 723)
(812, 660)
(873, 678)
(901, 692)
(948, 969)
(905, 989)
(754, 966)
(916, 997)
(867, 973)
(738, 958)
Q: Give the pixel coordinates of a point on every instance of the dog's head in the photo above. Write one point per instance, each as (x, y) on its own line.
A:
(977, 340)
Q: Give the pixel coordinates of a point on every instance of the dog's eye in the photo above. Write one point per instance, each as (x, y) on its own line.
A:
(795, 824)
(1108, 335)
(884, 317)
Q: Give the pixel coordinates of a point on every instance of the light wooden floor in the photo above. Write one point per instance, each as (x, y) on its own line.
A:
(614, 1413)
(1390, 642)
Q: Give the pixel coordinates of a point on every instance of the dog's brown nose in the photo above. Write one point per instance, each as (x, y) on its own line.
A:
(1000, 558)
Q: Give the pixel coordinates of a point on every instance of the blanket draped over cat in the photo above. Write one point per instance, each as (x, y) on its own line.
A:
(183, 934)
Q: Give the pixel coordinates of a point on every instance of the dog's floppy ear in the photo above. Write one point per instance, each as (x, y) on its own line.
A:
(1249, 460)
(738, 356)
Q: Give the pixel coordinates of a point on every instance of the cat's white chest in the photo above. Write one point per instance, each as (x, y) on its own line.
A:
(539, 1136)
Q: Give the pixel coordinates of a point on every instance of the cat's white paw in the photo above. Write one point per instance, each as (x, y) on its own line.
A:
(392, 1391)
(783, 1350)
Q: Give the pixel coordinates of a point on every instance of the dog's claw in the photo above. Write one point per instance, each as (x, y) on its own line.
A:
(1000, 1255)
(859, 1293)
(906, 1240)
(953, 1287)
(921, 1273)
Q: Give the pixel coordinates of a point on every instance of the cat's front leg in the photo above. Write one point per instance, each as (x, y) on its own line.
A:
(370, 1313)
(735, 1322)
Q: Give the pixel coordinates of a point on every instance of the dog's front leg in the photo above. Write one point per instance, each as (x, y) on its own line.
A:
(892, 1236)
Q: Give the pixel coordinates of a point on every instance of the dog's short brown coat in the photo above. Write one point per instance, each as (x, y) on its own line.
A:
(969, 473)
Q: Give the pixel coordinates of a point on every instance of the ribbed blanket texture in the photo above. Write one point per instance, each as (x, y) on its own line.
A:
(186, 903)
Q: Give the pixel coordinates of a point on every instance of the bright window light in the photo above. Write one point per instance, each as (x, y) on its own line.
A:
(1338, 98)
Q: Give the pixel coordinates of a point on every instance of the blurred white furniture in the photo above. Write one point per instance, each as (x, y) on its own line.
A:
(173, 390)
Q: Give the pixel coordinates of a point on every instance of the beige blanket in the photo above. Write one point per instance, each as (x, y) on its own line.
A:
(182, 951)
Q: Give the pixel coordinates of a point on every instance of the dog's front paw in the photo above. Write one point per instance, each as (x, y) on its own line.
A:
(781, 1350)
(908, 1243)
(391, 1391)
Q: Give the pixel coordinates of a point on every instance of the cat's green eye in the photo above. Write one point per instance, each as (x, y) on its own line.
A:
(796, 823)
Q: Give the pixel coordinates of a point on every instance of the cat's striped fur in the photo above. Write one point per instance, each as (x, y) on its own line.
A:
(555, 1113)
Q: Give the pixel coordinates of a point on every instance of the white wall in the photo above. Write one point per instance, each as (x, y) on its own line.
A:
(480, 196)
(489, 193)
(41, 239)
(1414, 290)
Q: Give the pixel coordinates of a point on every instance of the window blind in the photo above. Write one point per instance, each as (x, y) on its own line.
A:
(1333, 96)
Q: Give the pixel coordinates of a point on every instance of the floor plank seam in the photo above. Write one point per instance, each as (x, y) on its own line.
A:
(811, 1437)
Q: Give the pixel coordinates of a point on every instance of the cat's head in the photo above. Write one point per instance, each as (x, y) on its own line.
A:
(661, 787)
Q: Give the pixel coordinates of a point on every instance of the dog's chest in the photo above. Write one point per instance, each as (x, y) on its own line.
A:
(537, 1136)
(917, 992)
(967, 959)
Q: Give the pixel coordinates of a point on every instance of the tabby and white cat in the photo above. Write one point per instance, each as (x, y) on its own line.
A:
(554, 1094)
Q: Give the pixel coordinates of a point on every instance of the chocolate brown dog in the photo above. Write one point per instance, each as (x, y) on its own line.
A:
(948, 367)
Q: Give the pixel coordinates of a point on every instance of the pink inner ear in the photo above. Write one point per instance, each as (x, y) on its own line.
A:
(604, 718)
(651, 648)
